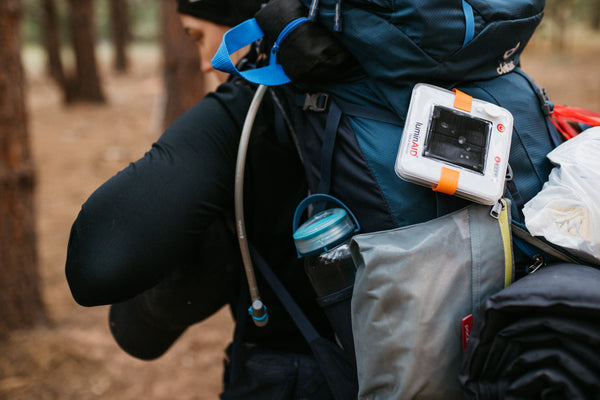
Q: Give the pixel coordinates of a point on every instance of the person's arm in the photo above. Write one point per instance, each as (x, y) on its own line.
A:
(152, 215)
(146, 325)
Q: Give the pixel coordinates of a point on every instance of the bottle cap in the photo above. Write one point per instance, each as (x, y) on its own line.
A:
(323, 231)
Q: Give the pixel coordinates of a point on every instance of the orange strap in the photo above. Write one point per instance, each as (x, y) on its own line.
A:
(449, 177)
(462, 101)
(448, 181)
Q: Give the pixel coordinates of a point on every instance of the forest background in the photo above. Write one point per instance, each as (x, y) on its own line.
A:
(83, 93)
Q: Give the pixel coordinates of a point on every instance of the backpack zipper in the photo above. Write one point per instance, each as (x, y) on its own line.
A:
(283, 34)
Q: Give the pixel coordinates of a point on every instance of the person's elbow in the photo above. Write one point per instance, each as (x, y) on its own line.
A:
(85, 281)
(90, 273)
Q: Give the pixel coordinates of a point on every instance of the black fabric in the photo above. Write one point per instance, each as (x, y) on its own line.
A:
(146, 325)
(338, 308)
(155, 217)
(139, 334)
(339, 369)
(222, 12)
(538, 339)
(349, 169)
(309, 54)
(271, 375)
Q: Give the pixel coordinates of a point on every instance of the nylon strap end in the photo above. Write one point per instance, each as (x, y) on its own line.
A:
(448, 181)
(462, 101)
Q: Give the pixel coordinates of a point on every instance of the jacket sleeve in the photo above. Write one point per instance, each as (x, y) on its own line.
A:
(150, 217)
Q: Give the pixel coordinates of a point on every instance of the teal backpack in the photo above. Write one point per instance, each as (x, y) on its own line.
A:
(348, 131)
(348, 121)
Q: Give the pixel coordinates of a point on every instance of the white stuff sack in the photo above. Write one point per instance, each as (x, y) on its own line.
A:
(567, 209)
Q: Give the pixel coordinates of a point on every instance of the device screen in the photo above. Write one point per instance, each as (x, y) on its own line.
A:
(457, 138)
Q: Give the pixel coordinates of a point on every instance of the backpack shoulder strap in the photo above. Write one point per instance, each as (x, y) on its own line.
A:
(322, 102)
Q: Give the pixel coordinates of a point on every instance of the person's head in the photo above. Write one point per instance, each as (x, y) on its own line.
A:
(206, 21)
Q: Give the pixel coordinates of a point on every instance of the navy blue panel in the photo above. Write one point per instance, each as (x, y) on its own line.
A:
(531, 140)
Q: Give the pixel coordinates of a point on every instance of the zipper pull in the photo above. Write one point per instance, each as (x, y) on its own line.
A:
(497, 209)
(337, 26)
(538, 262)
(312, 13)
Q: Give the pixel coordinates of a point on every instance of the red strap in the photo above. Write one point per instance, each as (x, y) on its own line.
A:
(563, 116)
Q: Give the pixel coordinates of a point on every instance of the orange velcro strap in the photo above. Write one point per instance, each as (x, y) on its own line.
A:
(462, 101)
(448, 181)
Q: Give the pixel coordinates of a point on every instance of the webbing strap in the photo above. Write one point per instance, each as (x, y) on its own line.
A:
(306, 328)
(546, 106)
(236, 358)
(335, 111)
(449, 177)
(331, 127)
(469, 22)
(523, 234)
(241, 36)
(448, 181)
(339, 374)
(462, 101)
(506, 242)
(376, 114)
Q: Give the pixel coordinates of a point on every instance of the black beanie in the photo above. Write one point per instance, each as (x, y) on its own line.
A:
(222, 12)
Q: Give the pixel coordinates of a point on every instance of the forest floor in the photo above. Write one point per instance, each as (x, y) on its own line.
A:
(76, 149)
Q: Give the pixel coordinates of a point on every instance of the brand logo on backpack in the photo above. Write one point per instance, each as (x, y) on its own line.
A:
(512, 51)
(506, 66)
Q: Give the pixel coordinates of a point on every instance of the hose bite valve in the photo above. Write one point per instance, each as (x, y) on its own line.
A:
(259, 314)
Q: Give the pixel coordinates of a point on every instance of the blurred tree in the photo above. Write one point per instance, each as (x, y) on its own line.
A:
(559, 12)
(51, 39)
(184, 82)
(595, 15)
(22, 305)
(119, 24)
(85, 84)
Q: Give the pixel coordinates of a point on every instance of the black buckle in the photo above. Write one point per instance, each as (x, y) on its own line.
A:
(316, 102)
(509, 173)
(547, 106)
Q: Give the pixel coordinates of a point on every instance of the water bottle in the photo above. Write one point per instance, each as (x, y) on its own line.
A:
(323, 241)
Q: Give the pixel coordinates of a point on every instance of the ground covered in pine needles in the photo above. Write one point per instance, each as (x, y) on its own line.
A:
(76, 149)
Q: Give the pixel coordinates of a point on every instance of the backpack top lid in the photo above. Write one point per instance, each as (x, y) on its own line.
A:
(403, 42)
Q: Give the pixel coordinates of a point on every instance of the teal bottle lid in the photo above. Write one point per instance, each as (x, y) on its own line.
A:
(323, 231)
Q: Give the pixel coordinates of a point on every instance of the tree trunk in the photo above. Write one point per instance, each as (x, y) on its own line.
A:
(51, 40)
(184, 83)
(86, 84)
(119, 20)
(562, 19)
(595, 23)
(20, 296)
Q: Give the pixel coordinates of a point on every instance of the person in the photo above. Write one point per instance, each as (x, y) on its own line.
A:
(156, 241)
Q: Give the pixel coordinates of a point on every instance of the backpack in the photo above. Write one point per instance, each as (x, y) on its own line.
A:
(348, 140)
(348, 133)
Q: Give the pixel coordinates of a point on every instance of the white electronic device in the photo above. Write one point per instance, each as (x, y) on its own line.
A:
(455, 144)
